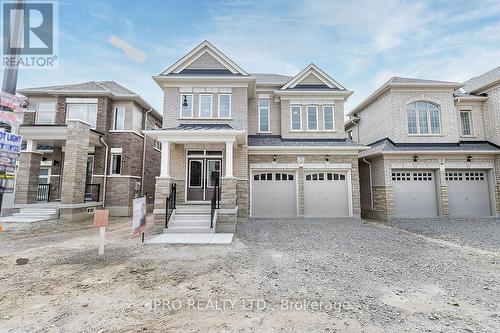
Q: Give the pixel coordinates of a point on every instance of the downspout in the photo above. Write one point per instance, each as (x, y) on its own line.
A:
(144, 152)
(105, 172)
(371, 182)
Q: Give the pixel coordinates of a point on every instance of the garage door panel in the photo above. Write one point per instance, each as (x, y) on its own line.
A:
(414, 193)
(468, 193)
(326, 194)
(274, 194)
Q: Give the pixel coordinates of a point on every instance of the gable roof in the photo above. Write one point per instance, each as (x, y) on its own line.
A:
(403, 82)
(205, 49)
(481, 81)
(271, 79)
(312, 69)
(111, 89)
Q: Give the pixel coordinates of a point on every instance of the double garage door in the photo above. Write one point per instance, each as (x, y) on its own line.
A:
(275, 194)
(415, 193)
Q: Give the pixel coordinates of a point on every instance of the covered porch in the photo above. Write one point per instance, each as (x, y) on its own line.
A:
(57, 168)
(198, 159)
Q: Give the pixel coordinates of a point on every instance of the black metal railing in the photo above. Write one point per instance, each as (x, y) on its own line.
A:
(214, 203)
(43, 192)
(170, 205)
(92, 192)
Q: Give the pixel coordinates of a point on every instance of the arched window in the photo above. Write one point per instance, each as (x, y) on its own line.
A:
(423, 118)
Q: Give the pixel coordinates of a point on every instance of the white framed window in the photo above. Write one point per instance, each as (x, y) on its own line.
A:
(423, 118)
(186, 106)
(264, 115)
(44, 175)
(83, 112)
(205, 106)
(157, 144)
(45, 112)
(116, 164)
(466, 122)
(349, 134)
(119, 118)
(296, 117)
(312, 118)
(328, 118)
(224, 105)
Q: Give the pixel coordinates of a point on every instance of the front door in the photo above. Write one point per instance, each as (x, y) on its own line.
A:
(203, 173)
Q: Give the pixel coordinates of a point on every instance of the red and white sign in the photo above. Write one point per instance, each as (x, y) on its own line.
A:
(12, 102)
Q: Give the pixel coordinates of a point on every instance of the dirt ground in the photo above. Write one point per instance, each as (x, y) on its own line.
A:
(296, 275)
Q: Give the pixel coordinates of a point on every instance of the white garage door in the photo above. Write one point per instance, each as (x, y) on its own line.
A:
(326, 194)
(414, 193)
(468, 193)
(274, 194)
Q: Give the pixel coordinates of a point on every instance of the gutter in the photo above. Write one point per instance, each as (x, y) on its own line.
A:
(144, 151)
(371, 180)
(105, 172)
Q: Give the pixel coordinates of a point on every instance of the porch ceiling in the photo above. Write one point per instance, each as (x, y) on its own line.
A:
(54, 135)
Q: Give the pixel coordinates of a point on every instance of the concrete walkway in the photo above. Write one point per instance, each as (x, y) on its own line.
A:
(199, 239)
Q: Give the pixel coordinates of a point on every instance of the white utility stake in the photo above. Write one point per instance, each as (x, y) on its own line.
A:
(102, 234)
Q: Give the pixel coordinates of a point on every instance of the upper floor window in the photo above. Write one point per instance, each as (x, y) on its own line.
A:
(296, 117)
(328, 117)
(465, 121)
(224, 106)
(45, 112)
(423, 118)
(83, 112)
(349, 134)
(312, 118)
(264, 115)
(116, 164)
(157, 144)
(186, 106)
(119, 118)
(205, 106)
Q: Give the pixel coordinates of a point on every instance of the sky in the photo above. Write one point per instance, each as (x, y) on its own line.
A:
(361, 44)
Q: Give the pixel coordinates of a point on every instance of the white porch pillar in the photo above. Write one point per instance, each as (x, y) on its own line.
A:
(165, 159)
(229, 159)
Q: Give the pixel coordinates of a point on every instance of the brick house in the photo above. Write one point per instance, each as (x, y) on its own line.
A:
(434, 148)
(277, 143)
(84, 148)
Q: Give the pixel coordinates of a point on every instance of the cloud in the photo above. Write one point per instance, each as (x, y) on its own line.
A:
(133, 53)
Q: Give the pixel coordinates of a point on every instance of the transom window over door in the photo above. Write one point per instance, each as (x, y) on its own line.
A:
(84, 112)
(206, 106)
(328, 118)
(312, 118)
(45, 112)
(264, 115)
(296, 117)
(465, 120)
(423, 118)
(186, 106)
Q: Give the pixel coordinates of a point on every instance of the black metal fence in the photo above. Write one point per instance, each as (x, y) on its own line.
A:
(43, 192)
(214, 203)
(92, 192)
(170, 205)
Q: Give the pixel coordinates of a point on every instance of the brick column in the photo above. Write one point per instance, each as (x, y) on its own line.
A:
(75, 162)
(443, 188)
(300, 180)
(162, 191)
(228, 193)
(27, 177)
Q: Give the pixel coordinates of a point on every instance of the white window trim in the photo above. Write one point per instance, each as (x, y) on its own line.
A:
(53, 112)
(333, 118)
(218, 107)
(211, 105)
(180, 107)
(86, 113)
(470, 123)
(114, 118)
(307, 117)
(291, 117)
(428, 116)
(121, 164)
(268, 116)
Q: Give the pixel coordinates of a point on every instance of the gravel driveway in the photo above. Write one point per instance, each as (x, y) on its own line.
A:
(340, 275)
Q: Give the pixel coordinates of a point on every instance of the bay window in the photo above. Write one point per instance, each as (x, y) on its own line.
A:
(83, 112)
(119, 118)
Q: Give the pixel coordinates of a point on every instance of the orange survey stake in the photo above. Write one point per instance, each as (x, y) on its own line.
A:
(101, 218)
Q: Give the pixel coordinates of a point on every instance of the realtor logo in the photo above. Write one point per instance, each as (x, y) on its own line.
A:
(29, 34)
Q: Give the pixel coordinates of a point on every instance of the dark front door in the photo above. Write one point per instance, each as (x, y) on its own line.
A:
(203, 173)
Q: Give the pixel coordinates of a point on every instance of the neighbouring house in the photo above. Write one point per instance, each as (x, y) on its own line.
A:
(277, 143)
(84, 148)
(434, 148)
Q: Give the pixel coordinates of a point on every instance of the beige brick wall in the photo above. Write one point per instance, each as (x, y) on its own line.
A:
(274, 113)
(478, 125)
(27, 178)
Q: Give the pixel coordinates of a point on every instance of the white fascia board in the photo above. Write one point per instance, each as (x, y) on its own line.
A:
(312, 93)
(325, 78)
(440, 152)
(179, 136)
(290, 149)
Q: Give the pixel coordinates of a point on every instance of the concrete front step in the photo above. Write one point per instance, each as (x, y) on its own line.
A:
(192, 209)
(189, 230)
(189, 224)
(191, 217)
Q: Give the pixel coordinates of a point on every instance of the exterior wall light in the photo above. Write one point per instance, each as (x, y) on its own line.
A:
(327, 158)
(469, 158)
(415, 158)
(274, 158)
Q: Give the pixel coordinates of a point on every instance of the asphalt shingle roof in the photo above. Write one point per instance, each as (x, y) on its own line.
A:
(276, 140)
(104, 86)
(482, 80)
(398, 79)
(263, 78)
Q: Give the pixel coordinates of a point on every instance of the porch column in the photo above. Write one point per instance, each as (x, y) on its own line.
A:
(229, 159)
(165, 159)
(75, 162)
(27, 175)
